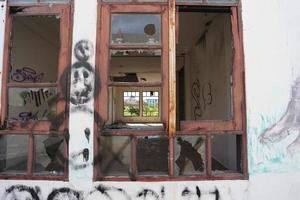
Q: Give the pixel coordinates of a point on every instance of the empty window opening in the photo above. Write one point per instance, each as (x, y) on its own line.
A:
(205, 93)
(33, 143)
(34, 59)
(205, 77)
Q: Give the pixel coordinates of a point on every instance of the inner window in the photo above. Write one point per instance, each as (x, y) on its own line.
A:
(131, 107)
(150, 104)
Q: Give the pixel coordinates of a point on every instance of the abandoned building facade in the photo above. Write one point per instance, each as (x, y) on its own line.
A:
(149, 99)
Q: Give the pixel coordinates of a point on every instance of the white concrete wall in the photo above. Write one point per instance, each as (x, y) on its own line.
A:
(271, 28)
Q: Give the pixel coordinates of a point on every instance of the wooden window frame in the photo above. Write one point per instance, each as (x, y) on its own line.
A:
(150, 119)
(102, 60)
(42, 127)
(208, 128)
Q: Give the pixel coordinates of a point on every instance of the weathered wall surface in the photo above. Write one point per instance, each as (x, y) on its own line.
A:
(271, 28)
(272, 85)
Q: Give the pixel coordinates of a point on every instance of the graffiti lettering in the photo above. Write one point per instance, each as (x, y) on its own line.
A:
(26, 74)
(151, 194)
(202, 95)
(188, 194)
(38, 97)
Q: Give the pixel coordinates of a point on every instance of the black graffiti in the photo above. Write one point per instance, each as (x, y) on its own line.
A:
(87, 134)
(64, 193)
(20, 192)
(82, 84)
(148, 193)
(187, 151)
(38, 97)
(83, 50)
(202, 95)
(198, 193)
(82, 74)
(110, 192)
(26, 74)
(85, 154)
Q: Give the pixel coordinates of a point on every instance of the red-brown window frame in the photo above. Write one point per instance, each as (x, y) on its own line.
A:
(236, 126)
(33, 128)
(102, 61)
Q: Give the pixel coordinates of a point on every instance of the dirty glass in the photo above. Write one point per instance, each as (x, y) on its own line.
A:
(114, 155)
(49, 156)
(134, 1)
(131, 104)
(25, 104)
(190, 155)
(210, 1)
(13, 154)
(135, 29)
(222, 1)
(35, 49)
(36, 1)
(150, 104)
(135, 65)
(226, 154)
(152, 155)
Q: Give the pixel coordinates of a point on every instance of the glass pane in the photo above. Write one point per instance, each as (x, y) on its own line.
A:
(190, 155)
(134, 0)
(136, 29)
(54, 1)
(209, 1)
(226, 154)
(152, 155)
(139, 65)
(131, 104)
(222, 1)
(13, 154)
(22, 1)
(35, 49)
(150, 104)
(48, 155)
(26, 104)
(205, 84)
(114, 156)
(35, 1)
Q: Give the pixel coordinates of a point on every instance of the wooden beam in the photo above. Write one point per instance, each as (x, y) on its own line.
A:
(172, 68)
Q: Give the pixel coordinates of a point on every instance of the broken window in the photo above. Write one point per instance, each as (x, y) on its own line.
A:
(136, 63)
(37, 1)
(134, 142)
(210, 97)
(33, 142)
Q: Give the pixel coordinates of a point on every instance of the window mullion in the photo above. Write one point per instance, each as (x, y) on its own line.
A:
(30, 155)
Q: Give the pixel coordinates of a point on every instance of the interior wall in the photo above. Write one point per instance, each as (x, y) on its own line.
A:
(34, 58)
(208, 65)
(148, 69)
(36, 44)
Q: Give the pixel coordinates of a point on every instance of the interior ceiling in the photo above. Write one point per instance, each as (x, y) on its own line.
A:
(46, 27)
(191, 27)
